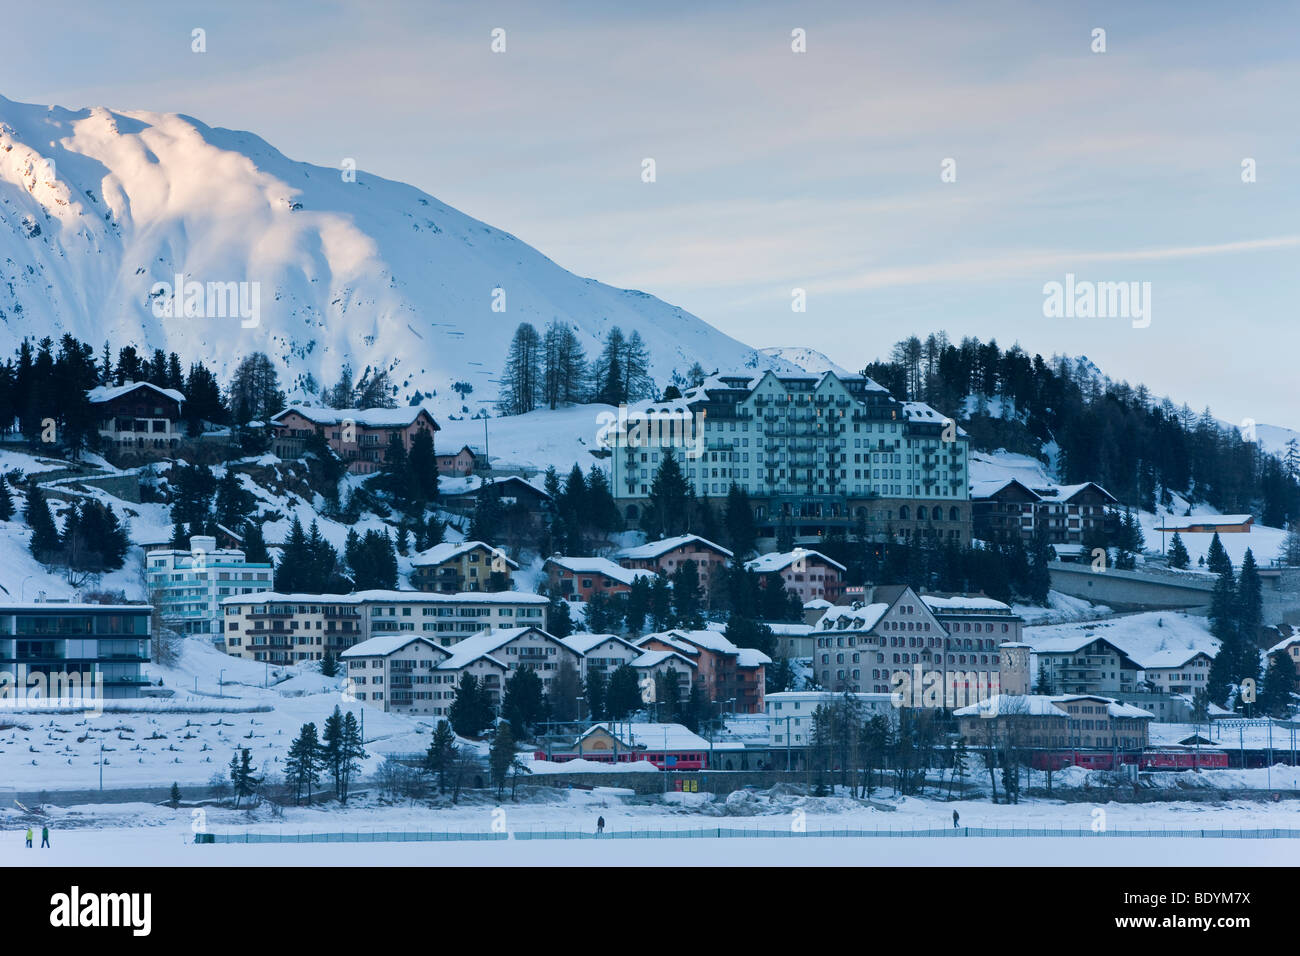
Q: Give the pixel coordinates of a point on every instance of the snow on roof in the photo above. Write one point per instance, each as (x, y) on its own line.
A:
(390, 597)
(447, 551)
(655, 549)
(962, 602)
(483, 644)
(780, 560)
(655, 658)
(1026, 705)
(584, 642)
(1287, 641)
(651, 736)
(1041, 705)
(365, 417)
(1152, 639)
(1170, 523)
(785, 629)
(385, 644)
(989, 487)
(817, 604)
(848, 618)
(106, 393)
(1066, 492)
(599, 566)
(689, 643)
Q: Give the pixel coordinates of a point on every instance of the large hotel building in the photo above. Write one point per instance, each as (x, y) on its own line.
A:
(814, 453)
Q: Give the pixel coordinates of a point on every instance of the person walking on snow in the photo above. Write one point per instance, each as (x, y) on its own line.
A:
(29, 838)
(600, 825)
(955, 818)
(45, 837)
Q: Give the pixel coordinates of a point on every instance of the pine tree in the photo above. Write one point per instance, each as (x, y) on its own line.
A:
(441, 754)
(688, 598)
(6, 501)
(623, 696)
(423, 465)
(45, 537)
(332, 748)
(671, 499)
(595, 688)
(522, 704)
(255, 551)
(303, 764)
(1290, 553)
(521, 382)
(469, 712)
(1216, 557)
(329, 665)
(738, 519)
(1178, 556)
(242, 775)
(175, 798)
(353, 753)
(1280, 685)
(501, 756)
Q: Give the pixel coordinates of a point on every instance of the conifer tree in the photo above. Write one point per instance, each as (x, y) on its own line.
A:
(623, 695)
(441, 754)
(1178, 556)
(302, 766)
(6, 500)
(45, 537)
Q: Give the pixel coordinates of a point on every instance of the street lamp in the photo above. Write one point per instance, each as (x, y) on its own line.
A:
(221, 682)
(22, 589)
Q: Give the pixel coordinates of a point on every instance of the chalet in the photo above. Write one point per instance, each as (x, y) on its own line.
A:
(137, 420)
(1070, 513)
(468, 566)
(732, 677)
(458, 464)
(578, 579)
(809, 574)
(1002, 510)
(511, 489)
(669, 554)
(359, 436)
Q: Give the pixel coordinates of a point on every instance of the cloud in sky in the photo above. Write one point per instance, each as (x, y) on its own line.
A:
(778, 170)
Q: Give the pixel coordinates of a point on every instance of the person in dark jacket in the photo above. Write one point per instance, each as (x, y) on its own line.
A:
(45, 837)
(955, 818)
(600, 825)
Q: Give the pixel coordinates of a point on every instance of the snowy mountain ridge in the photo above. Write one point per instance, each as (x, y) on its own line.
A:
(99, 209)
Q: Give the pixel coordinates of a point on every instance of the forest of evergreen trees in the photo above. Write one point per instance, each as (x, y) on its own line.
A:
(1137, 446)
(551, 369)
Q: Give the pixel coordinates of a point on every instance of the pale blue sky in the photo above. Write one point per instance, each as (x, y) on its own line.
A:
(775, 170)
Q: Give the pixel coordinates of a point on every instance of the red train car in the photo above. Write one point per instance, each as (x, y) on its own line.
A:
(671, 760)
(1167, 758)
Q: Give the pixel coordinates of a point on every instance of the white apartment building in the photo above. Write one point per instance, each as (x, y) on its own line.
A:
(790, 713)
(812, 452)
(289, 628)
(398, 672)
(189, 586)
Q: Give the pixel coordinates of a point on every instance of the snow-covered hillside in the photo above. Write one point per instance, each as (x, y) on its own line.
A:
(97, 206)
(810, 360)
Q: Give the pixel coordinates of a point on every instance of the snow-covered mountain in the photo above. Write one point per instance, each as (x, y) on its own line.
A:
(98, 207)
(810, 360)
